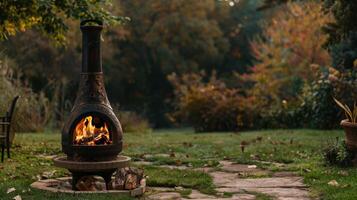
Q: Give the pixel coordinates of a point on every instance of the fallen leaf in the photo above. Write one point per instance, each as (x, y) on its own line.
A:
(9, 190)
(178, 162)
(17, 197)
(333, 183)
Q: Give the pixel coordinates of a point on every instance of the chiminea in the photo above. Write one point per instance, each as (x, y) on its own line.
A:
(92, 135)
(92, 131)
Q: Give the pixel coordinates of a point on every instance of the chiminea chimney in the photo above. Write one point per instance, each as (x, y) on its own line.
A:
(91, 52)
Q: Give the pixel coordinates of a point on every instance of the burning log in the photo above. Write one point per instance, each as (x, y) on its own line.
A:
(88, 134)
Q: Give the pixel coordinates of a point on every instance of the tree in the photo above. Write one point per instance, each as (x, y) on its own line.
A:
(163, 37)
(240, 23)
(290, 45)
(49, 16)
(342, 44)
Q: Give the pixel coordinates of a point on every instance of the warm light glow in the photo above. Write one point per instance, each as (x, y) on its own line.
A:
(86, 133)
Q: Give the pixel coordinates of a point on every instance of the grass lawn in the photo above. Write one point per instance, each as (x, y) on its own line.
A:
(299, 150)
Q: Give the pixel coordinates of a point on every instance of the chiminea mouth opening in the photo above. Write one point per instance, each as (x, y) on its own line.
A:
(92, 129)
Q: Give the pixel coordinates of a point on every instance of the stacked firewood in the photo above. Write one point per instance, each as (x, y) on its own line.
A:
(91, 183)
(124, 179)
(127, 179)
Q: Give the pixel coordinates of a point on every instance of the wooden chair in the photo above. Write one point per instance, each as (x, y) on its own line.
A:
(5, 126)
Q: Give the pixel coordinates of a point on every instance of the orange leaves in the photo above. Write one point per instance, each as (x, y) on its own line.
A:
(290, 44)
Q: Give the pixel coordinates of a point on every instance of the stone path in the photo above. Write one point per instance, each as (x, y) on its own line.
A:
(236, 179)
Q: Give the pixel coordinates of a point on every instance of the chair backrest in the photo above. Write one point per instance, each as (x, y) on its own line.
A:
(12, 108)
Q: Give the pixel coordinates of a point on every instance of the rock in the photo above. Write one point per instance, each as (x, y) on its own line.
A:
(165, 196)
(17, 197)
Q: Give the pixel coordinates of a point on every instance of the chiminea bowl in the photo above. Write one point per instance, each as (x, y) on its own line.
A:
(92, 100)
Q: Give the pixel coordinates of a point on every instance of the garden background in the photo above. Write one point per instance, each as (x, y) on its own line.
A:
(213, 65)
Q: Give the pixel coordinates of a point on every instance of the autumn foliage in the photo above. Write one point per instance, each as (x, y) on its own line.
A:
(288, 48)
(210, 105)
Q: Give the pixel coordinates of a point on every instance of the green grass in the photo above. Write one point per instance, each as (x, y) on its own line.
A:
(162, 177)
(303, 155)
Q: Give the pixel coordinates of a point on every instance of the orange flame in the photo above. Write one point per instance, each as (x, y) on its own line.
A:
(86, 133)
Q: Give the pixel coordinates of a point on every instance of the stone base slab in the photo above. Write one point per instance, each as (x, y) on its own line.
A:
(62, 185)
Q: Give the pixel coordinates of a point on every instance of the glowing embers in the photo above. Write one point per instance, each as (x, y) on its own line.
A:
(91, 131)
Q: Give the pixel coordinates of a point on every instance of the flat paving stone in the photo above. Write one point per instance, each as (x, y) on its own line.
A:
(165, 196)
(284, 193)
(281, 186)
(224, 179)
(292, 198)
(229, 166)
(242, 197)
(162, 189)
(198, 195)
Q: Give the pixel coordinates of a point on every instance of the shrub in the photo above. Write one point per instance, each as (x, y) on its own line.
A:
(32, 111)
(315, 108)
(318, 109)
(131, 121)
(210, 105)
(337, 154)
